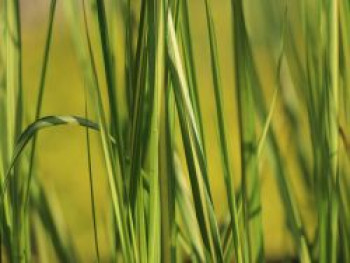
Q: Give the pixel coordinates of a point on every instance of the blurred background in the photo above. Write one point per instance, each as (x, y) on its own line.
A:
(62, 156)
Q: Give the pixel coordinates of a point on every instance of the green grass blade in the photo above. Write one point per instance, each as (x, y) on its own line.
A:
(41, 204)
(109, 70)
(156, 82)
(190, 66)
(14, 112)
(45, 122)
(87, 64)
(254, 247)
(41, 92)
(333, 123)
(91, 182)
(289, 201)
(226, 165)
(188, 214)
(194, 150)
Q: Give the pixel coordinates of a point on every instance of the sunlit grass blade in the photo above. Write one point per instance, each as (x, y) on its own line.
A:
(190, 67)
(14, 111)
(156, 80)
(194, 151)
(185, 206)
(267, 123)
(333, 112)
(344, 54)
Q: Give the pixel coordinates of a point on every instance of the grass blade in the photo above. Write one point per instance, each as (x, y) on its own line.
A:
(194, 151)
(254, 247)
(226, 165)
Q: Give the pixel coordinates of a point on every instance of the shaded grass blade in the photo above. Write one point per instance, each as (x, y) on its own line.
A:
(253, 240)
(225, 158)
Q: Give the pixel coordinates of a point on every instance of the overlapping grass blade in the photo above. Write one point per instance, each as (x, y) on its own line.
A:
(14, 113)
(156, 79)
(155, 216)
(188, 216)
(194, 151)
(87, 64)
(91, 182)
(45, 122)
(40, 203)
(226, 165)
(253, 240)
(190, 67)
(41, 91)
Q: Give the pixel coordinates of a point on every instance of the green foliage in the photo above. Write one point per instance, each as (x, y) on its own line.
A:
(153, 132)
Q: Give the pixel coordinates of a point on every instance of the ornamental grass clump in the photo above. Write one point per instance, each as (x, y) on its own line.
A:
(145, 97)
